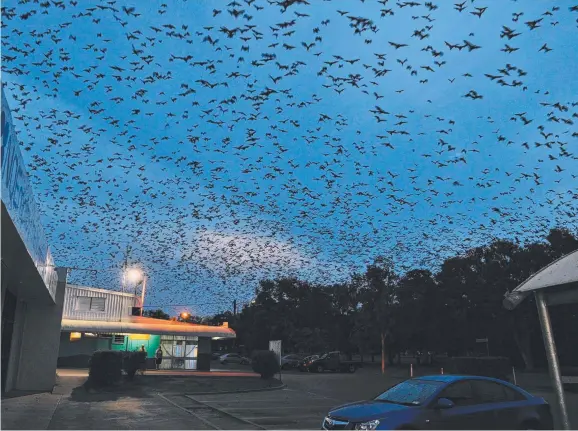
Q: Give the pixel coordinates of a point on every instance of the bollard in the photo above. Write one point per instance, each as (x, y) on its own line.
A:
(411, 370)
(442, 371)
(514, 375)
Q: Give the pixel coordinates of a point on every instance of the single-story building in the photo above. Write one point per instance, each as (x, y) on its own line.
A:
(32, 286)
(99, 319)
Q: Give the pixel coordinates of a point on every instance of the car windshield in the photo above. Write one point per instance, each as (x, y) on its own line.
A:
(410, 392)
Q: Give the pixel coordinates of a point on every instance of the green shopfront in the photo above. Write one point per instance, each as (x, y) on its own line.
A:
(179, 351)
(185, 346)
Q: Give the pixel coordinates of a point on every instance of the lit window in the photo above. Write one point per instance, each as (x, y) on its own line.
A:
(75, 336)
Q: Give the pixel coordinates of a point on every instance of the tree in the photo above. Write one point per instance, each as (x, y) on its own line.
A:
(443, 311)
(416, 296)
(378, 299)
(156, 314)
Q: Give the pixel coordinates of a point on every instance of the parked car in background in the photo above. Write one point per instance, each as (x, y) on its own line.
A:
(445, 402)
(234, 358)
(215, 355)
(304, 363)
(290, 361)
(333, 361)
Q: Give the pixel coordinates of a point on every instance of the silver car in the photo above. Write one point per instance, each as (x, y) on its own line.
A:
(290, 361)
(233, 358)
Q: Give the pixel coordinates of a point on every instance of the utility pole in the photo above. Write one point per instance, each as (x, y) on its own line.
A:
(143, 291)
(123, 282)
(124, 267)
(234, 319)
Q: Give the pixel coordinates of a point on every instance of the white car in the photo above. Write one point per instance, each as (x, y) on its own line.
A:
(234, 358)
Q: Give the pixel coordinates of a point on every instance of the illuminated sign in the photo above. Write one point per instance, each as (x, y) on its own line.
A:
(139, 336)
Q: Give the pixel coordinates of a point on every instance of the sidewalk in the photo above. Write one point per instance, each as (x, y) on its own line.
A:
(215, 372)
(29, 411)
(144, 403)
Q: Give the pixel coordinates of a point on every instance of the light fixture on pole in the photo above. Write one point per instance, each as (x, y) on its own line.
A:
(134, 275)
(137, 276)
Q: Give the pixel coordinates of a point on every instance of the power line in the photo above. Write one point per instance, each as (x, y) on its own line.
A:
(182, 305)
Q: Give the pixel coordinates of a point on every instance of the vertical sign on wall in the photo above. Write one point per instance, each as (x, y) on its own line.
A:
(275, 345)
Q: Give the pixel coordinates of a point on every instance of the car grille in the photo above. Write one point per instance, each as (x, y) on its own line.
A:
(335, 424)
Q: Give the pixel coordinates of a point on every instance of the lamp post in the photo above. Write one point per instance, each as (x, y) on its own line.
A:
(137, 276)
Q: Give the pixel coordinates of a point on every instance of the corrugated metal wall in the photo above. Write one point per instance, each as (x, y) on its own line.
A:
(116, 304)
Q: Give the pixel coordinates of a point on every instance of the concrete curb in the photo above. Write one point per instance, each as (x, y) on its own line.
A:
(239, 391)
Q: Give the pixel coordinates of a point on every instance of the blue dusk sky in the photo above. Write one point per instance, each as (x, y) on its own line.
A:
(227, 142)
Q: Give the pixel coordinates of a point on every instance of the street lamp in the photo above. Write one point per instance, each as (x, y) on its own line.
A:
(134, 275)
(184, 315)
(137, 276)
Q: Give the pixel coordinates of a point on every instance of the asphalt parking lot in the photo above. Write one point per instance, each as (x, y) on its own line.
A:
(306, 400)
(309, 396)
(282, 409)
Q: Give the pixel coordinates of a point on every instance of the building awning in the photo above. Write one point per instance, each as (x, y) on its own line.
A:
(560, 272)
(146, 325)
(558, 281)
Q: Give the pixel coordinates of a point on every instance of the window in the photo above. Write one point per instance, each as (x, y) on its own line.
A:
(118, 339)
(97, 304)
(491, 392)
(411, 392)
(83, 303)
(460, 393)
(514, 395)
(87, 303)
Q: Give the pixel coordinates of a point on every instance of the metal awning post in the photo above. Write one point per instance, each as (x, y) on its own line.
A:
(552, 356)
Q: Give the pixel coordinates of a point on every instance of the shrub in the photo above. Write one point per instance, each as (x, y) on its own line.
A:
(497, 367)
(105, 368)
(132, 361)
(265, 363)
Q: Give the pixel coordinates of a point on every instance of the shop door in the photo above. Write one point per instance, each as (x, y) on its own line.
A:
(167, 348)
(190, 355)
(179, 355)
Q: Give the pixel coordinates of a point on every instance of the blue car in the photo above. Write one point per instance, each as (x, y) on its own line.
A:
(445, 402)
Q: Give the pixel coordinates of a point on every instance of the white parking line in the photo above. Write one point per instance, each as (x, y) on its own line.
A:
(284, 419)
(275, 407)
(314, 394)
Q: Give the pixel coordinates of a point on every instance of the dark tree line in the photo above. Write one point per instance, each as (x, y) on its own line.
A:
(382, 312)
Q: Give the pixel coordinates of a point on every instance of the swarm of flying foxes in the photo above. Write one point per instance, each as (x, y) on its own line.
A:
(219, 144)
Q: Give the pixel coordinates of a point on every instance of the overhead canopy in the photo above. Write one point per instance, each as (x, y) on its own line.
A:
(558, 281)
(560, 272)
(147, 325)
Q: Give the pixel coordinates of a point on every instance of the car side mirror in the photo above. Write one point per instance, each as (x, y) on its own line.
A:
(443, 404)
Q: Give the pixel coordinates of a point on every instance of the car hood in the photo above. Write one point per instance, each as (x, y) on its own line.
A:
(366, 410)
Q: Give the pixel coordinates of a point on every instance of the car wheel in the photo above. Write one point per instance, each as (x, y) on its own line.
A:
(319, 368)
(352, 368)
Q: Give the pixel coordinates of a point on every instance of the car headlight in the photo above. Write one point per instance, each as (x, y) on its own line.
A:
(369, 425)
